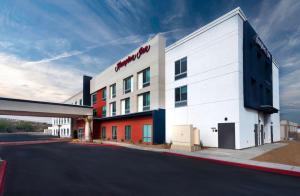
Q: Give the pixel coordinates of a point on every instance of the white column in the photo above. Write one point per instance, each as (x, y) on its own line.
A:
(88, 128)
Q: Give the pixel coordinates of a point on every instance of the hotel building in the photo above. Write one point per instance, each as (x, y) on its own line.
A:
(220, 79)
(129, 96)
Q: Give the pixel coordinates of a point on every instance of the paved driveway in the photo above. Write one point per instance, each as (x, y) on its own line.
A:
(70, 169)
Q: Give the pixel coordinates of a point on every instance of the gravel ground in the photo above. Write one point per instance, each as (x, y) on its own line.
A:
(289, 154)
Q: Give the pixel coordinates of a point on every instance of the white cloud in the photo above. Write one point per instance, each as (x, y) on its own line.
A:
(175, 15)
(273, 18)
(278, 25)
(43, 81)
(5, 44)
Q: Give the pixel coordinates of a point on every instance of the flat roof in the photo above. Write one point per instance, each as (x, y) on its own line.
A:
(236, 11)
(43, 102)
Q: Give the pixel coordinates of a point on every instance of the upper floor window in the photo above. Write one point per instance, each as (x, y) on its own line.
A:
(127, 85)
(94, 98)
(104, 94)
(125, 105)
(144, 78)
(144, 102)
(181, 96)
(113, 91)
(80, 102)
(181, 68)
(104, 111)
(75, 102)
(94, 112)
(113, 109)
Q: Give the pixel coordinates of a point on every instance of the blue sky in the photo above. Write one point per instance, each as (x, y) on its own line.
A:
(46, 46)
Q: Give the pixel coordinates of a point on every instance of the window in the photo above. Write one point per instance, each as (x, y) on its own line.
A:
(80, 102)
(144, 78)
(127, 132)
(147, 136)
(125, 106)
(104, 111)
(103, 132)
(181, 68)
(181, 96)
(113, 109)
(104, 94)
(113, 91)
(114, 132)
(94, 98)
(68, 131)
(94, 112)
(144, 102)
(75, 102)
(127, 85)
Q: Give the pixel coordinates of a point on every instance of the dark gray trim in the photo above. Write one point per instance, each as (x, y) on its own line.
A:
(43, 102)
(131, 115)
(86, 95)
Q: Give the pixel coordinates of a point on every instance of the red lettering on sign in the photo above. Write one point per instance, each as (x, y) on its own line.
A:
(130, 58)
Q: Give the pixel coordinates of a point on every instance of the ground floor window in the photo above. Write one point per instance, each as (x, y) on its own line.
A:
(103, 132)
(147, 133)
(114, 132)
(127, 132)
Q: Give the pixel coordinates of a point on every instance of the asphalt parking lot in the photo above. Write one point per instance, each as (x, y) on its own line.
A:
(13, 137)
(72, 169)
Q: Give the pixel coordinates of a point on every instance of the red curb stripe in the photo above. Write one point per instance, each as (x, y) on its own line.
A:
(2, 176)
(242, 165)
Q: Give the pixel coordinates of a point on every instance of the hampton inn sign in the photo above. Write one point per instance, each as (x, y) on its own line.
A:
(130, 58)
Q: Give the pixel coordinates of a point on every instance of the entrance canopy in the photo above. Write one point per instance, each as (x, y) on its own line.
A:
(19, 107)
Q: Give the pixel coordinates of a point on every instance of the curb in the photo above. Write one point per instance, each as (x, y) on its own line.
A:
(2, 176)
(242, 165)
(93, 144)
(30, 142)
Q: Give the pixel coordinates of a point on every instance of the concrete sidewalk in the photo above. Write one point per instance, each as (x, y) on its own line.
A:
(237, 157)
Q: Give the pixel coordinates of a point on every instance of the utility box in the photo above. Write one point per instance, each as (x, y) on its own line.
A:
(185, 138)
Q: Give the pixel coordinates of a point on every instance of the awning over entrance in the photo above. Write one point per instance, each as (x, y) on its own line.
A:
(268, 109)
(19, 107)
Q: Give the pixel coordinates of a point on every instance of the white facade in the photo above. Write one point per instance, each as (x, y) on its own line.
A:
(215, 84)
(63, 126)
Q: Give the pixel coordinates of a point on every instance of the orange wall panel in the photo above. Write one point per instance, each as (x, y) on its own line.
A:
(136, 124)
